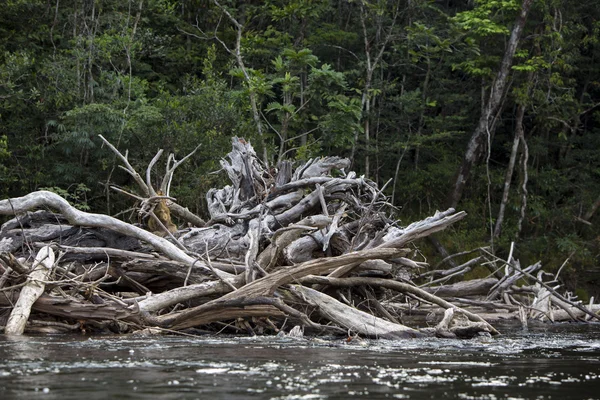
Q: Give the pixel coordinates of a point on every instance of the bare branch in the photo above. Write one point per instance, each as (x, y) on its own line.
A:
(149, 172)
(165, 186)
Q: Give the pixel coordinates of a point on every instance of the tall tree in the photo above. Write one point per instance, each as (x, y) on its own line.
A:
(374, 49)
(236, 51)
(490, 108)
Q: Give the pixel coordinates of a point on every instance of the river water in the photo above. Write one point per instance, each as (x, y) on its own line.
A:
(548, 362)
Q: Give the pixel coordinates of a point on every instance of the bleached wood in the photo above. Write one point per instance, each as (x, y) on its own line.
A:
(178, 295)
(399, 286)
(564, 315)
(267, 285)
(352, 319)
(77, 309)
(540, 308)
(465, 288)
(148, 191)
(44, 198)
(455, 324)
(33, 289)
(254, 211)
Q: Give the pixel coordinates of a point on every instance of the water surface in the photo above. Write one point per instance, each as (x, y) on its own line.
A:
(548, 362)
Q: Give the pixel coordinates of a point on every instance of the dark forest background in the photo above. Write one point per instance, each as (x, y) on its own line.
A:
(491, 106)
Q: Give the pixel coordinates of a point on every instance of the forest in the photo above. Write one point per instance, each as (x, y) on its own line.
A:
(487, 106)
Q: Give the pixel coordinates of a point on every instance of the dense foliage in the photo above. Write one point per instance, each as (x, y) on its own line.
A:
(397, 86)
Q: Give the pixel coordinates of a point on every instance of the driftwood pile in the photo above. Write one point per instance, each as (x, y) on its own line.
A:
(285, 250)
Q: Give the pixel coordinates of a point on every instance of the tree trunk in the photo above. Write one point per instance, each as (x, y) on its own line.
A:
(509, 170)
(524, 159)
(372, 62)
(33, 289)
(476, 143)
(592, 210)
(237, 53)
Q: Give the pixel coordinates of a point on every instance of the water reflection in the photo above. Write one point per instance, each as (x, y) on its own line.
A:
(23, 348)
(560, 364)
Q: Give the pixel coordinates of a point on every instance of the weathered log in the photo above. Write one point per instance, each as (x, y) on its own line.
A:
(394, 285)
(13, 238)
(352, 319)
(228, 313)
(396, 238)
(33, 289)
(9, 261)
(564, 315)
(76, 217)
(305, 248)
(180, 272)
(271, 255)
(266, 286)
(78, 309)
(454, 324)
(217, 241)
(540, 307)
(250, 259)
(512, 274)
(484, 304)
(320, 166)
(100, 252)
(474, 287)
(245, 172)
(453, 272)
(185, 214)
(416, 230)
(284, 173)
(171, 297)
(558, 296)
(376, 265)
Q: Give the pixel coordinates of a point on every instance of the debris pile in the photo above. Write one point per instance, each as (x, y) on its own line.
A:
(306, 249)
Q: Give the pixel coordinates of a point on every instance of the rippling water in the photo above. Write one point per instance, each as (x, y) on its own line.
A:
(549, 362)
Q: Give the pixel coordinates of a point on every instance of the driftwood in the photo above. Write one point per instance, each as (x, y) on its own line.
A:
(452, 325)
(79, 309)
(355, 320)
(314, 245)
(33, 289)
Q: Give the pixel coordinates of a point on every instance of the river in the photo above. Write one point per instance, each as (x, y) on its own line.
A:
(559, 361)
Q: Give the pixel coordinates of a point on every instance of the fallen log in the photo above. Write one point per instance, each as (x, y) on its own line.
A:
(474, 287)
(399, 286)
(567, 315)
(79, 310)
(44, 198)
(266, 286)
(354, 320)
(182, 294)
(453, 326)
(33, 289)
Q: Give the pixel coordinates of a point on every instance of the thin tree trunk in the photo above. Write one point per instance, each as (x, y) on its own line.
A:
(524, 159)
(303, 85)
(372, 63)
(237, 53)
(403, 150)
(367, 111)
(424, 95)
(365, 103)
(592, 210)
(510, 169)
(476, 143)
